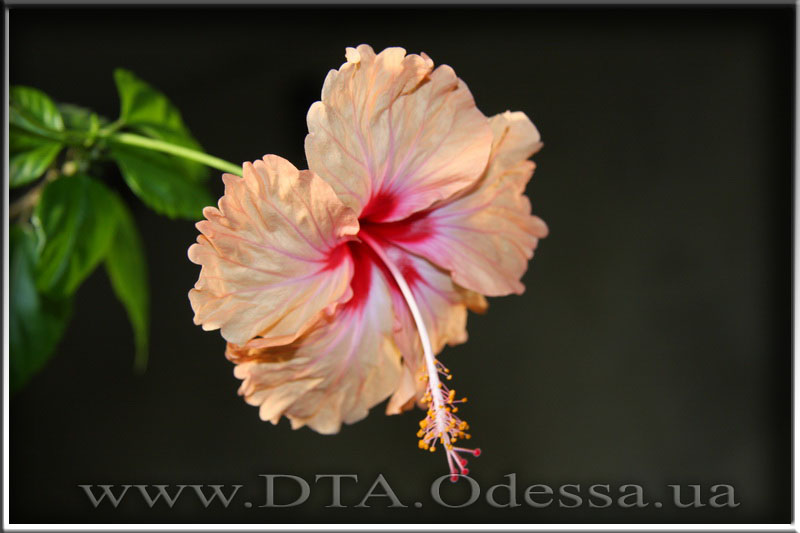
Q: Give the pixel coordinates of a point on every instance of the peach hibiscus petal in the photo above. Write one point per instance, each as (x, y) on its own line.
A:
(486, 235)
(340, 368)
(392, 135)
(268, 254)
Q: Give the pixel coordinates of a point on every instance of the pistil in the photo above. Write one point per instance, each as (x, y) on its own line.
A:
(441, 425)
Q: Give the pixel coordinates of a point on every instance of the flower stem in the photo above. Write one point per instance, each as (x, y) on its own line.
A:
(132, 139)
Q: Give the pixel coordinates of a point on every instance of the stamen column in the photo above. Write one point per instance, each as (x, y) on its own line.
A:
(447, 427)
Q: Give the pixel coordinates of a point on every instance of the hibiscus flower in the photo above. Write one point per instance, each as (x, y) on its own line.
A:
(335, 287)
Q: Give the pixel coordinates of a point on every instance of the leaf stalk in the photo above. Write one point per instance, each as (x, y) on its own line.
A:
(133, 139)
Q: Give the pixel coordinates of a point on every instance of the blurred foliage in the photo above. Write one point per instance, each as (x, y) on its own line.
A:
(67, 221)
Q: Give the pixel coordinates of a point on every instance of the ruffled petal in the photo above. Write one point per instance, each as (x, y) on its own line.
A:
(334, 373)
(486, 235)
(269, 253)
(392, 136)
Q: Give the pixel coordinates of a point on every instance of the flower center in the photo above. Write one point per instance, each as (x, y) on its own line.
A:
(379, 207)
(414, 228)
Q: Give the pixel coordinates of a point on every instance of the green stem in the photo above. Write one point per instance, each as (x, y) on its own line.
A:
(132, 139)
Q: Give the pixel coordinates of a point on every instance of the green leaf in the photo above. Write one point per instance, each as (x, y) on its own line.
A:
(127, 269)
(149, 112)
(30, 154)
(79, 118)
(157, 181)
(24, 167)
(34, 111)
(76, 215)
(35, 322)
(20, 140)
(36, 105)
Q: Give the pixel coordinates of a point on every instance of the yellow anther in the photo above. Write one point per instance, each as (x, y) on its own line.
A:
(467, 436)
(433, 449)
(449, 377)
(455, 409)
(423, 422)
(452, 395)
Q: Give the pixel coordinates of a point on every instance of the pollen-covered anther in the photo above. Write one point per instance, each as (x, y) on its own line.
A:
(442, 426)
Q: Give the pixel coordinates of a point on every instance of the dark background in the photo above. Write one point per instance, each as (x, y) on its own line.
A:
(653, 345)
